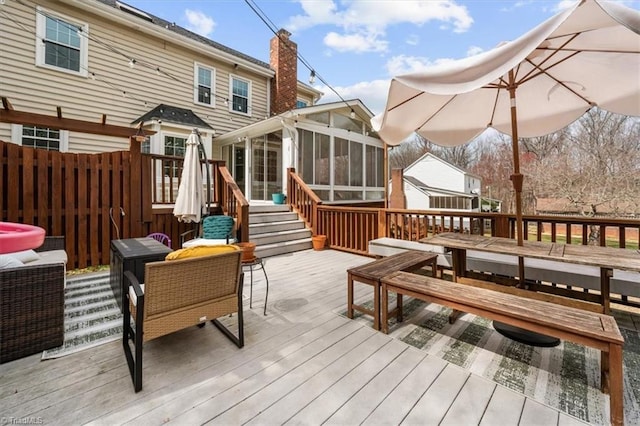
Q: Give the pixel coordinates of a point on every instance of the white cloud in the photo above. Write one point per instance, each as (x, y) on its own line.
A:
(357, 43)
(562, 5)
(413, 40)
(370, 19)
(199, 23)
(372, 93)
(403, 64)
(474, 50)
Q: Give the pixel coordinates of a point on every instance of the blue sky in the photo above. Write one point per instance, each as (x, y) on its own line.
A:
(357, 46)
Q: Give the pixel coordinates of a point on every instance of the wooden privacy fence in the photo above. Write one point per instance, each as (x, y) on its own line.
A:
(74, 195)
(91, 199)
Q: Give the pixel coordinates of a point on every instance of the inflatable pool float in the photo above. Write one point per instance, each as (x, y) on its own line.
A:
(18, 236)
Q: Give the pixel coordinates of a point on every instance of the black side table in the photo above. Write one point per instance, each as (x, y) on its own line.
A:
(131, 255)
(256, 263)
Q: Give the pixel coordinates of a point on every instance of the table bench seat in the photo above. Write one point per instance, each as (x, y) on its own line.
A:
(372, 272)
(592, 329)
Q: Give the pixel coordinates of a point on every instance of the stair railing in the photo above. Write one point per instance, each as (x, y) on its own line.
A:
(302, 199)
(233, 203)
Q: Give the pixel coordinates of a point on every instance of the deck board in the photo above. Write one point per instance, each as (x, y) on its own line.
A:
(302, 363)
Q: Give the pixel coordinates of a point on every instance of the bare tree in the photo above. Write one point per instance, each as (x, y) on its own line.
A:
(594, 164)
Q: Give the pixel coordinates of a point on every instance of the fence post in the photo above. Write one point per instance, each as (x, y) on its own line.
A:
(135, 188)
(501, 226)
(382, 223)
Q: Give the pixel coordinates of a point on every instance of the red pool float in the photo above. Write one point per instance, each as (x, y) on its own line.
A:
(18, 236)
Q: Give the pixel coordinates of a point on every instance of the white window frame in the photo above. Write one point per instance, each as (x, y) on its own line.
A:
(16, 137)
(196, 85)
(233, 77)
(41, 24)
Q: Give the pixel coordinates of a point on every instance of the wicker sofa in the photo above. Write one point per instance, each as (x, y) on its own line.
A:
(178, 294)
(32, 303)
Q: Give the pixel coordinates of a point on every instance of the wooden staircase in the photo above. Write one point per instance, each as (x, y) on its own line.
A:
(277, 230)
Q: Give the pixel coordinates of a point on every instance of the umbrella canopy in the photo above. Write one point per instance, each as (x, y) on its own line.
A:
(189, 202)
(587, 55)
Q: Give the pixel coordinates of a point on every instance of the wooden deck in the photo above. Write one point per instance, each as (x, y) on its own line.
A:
(303, 363)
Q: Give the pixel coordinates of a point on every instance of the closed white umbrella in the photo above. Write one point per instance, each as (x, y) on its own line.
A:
(587, 55)
(189, 202)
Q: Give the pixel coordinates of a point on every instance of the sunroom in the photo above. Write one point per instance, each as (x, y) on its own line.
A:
(331, 146)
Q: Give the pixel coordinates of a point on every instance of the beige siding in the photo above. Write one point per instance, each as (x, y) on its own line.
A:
(41, 90)
(5, 132)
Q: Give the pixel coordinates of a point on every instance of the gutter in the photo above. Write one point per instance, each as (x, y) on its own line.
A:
(115, 15)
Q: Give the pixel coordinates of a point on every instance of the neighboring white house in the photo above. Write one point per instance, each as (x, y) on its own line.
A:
(432, 183)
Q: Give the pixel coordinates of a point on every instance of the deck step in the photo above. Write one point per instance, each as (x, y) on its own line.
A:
(277, 230)
(276, 226)
(283, 247)
(278, 237)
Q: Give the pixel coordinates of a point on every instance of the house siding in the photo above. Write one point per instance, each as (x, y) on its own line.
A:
(40, 90)
(438, 174)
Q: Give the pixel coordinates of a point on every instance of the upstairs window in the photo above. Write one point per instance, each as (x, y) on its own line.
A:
(301, 103)
(240, 95)
(60, 43)
(204, 78)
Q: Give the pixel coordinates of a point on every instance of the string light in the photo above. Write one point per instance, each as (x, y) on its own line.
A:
(352, 114)
(133, 61)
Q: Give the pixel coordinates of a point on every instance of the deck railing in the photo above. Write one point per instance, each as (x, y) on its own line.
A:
(233, 202)
(92, 199)
(351, 228)
(166, 171)
(303, 200)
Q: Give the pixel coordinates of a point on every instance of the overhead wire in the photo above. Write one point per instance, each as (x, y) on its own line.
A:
(314, 73)
(134, 61)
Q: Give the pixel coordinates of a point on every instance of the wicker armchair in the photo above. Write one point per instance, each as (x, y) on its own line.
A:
(178, 294)
(32, 306)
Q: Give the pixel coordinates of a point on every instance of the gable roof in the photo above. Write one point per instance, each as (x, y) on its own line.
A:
(454, 167)
(275, 122)
(172, 114)
(429, 190)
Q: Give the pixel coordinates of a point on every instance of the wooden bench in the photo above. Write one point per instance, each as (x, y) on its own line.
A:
(592, 329)
(371, 273)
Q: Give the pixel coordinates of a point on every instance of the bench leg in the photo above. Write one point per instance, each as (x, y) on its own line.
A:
(376, 306)
(385, 313)
(616, 394)
(399, 307)
(454, 315)
(350, 297)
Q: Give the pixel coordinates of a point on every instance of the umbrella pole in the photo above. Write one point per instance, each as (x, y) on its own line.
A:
(206, 166)
(516, 177)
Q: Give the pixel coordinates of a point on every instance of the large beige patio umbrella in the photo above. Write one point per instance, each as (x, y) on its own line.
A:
(587, 55)
(189, 202)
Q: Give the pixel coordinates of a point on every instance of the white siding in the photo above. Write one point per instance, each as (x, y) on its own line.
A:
(438, 174)
(416, 199)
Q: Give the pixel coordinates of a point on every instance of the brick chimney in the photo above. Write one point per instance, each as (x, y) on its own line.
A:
(283, 54)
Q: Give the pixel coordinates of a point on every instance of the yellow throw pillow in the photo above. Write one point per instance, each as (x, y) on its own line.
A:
(197, 251)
